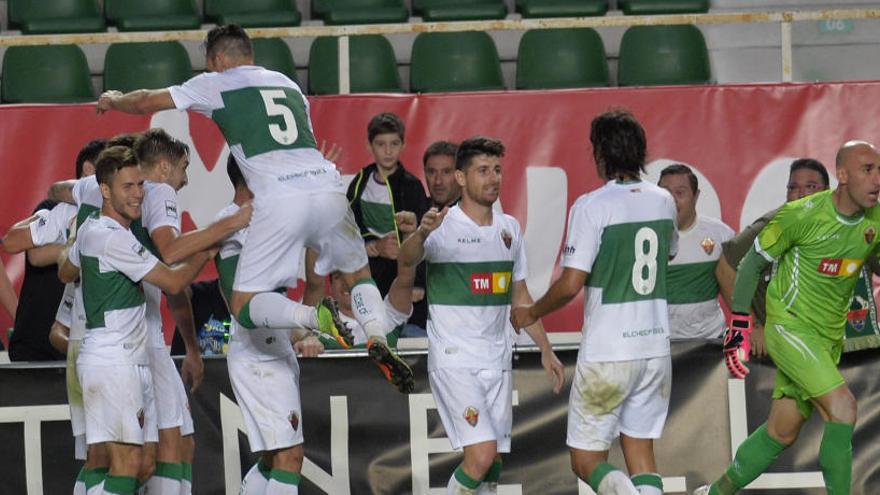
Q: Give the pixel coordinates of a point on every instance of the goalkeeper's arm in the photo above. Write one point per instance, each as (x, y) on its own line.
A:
(747, 276)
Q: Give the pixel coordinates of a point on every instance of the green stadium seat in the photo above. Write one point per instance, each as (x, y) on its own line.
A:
(561, 58)
(274, 54)
(253, 13)
(45, 74)
(459, 10)
(561, 8)
(152, 15)
(372, 66)
(342, 12)
(466, 61)
(130, 66)
(55, 16)
(658, 55)
(657, 7)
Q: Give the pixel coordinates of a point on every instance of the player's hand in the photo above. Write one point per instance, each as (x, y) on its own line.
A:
(521, 317)
(555, 369)
(388, 247)
(241, 218)
(308, 346)
(432, 219)
(105, 102)
(192, 369)
(406, 222)
(418, 293)
(759, 347)
(737, 345)
(372, 249)
(331, 153)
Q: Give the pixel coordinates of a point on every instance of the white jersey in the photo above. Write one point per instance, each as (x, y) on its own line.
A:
(265, 119)
(258, 344)
(88, 198)
(112, 263)
(622, 234)
(692, 289)
(470, 272)
(159, 209)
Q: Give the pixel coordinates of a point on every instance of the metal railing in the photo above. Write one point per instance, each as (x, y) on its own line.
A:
(783, 18)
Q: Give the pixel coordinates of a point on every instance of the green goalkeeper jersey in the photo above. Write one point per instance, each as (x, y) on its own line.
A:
(820, 253)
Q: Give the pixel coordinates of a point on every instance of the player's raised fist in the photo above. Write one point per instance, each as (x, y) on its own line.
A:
(433, 218)
(105, 102)
(406, 222)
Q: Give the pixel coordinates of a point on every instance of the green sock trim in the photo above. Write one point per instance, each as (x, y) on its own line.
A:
(365, 280)
(464, 479)
(244, 317)
(753, 457)
(494, 472)
(173, 471)
(835, 457)
(186, 471)
(286, 477)
(122, 485)
(648, 479)
(94, 477)
(599, 474)
(265, 470)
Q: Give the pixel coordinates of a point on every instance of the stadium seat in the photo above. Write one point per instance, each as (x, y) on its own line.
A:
(372, 66)
(459, 10)
(55, 16)
(130, 66)
(274, 54)
(341, 12)
(45, 74)
(152, 15)
(561, 8)
(466, 61)
(656, 7)
(657, 55)
(561, 58)
(253, 13)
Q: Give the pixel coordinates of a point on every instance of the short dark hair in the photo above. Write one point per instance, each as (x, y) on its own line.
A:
(810, 164)
(385, 123)
(619, 142)
(234, 173)
(681, 169)
(475, 146)
(126, 139)
(445, 148)
(155, 144)
(89, 153)
(111, 160)
(230, 39)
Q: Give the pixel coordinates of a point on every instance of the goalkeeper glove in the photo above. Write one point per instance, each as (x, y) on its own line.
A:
(737, 344)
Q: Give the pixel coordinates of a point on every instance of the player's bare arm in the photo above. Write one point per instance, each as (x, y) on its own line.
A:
(305, 343)
(18, 238)
(175, 247)
(174, 280)
(555, 369)
(192, 369)
(44, 255)
(140, 101)
(413, 248)
(563, 290)
(59, 336)
(67, 271)
(62, 191)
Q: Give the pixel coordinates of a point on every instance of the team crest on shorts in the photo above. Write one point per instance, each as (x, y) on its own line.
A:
(507, 238)
(294, 420)
(140, 417)
(870, 233)
(708, 245)
(472, 416)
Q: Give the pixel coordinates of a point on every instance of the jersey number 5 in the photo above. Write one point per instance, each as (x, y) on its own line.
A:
(274, 100)
(644, 271)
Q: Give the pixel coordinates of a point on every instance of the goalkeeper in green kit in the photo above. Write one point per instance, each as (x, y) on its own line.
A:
(819, 243)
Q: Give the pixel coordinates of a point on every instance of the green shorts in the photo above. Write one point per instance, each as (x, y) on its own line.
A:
(806, 364)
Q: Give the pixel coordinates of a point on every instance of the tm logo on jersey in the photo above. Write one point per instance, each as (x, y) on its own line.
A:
(490, 283)
(840, 267)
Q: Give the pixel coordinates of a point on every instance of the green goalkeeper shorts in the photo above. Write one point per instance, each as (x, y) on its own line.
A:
(806, 364)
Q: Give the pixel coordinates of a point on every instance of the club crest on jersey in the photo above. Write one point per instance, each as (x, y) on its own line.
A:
(472, 415)
(294, 420)
(842, 267)
(870, 234)
(490, 283)
(507, 237)
(140, 417)
(708, 245)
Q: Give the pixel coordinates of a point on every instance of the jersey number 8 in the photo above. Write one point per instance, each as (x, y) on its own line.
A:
(644, 271)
